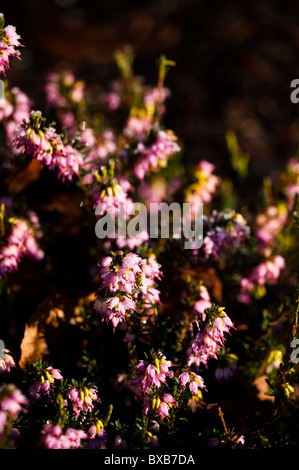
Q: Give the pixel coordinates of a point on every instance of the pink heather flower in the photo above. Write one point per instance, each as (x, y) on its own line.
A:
(159, 405)
(241, 440)
(47, 380)
(184, 378)
(82, 399)
(100, 148)
(53, 437)
(269, 224)
(137, 126)
(203, 303)
(20, 242)
(53, 95)
(97, 435)
(126, 280)
(163, 410)
(224, 231)
(156, 97)
(195, 382)
(131, 242)
(157, 155)
(112, 101)
(12, 400)
(208, 340)
(13, 113)
(6, 109)
(7, 362)
(45, 145)
(151, 375)
(151, 271)
(205, 186)
(114, 202)
(267, 272)
(9, 41)
(123, 276)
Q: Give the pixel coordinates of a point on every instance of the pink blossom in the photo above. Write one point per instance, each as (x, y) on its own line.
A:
(209, 339)
(151, 375)
(82, 399)
(7, 362)
(9, 41)
(20, 242)
(53, 437)
(12, 400)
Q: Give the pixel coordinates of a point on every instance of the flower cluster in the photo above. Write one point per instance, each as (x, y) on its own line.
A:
(9, 42)
(223, 231)
(42, 143)
(205, 185)
(124, 278)
(43, 385)
(15, 107)
(269, 225)
(155, 156)
(209, 332)
(110, 193)
(149, 378)
(12, 403)
(20, 242)
(65, 95)
(52, 436)
(195, 382)
(82, 399)
(263, 274)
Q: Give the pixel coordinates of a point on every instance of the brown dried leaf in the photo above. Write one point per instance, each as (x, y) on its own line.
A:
(19, 178)
(262, 388)
(53, 325)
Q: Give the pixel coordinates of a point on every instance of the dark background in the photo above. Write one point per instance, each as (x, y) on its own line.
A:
(235, 62)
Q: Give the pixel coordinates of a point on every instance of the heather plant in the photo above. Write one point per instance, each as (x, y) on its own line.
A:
(174, 346)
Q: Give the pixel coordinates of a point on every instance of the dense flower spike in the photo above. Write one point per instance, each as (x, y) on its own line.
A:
(43, 143)
(20, 242)
(156, 155)
(210, 328)
(124, 279)
(110, 193)
(82, 399)
(151, 375)
(44, 384)
(9, 42)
